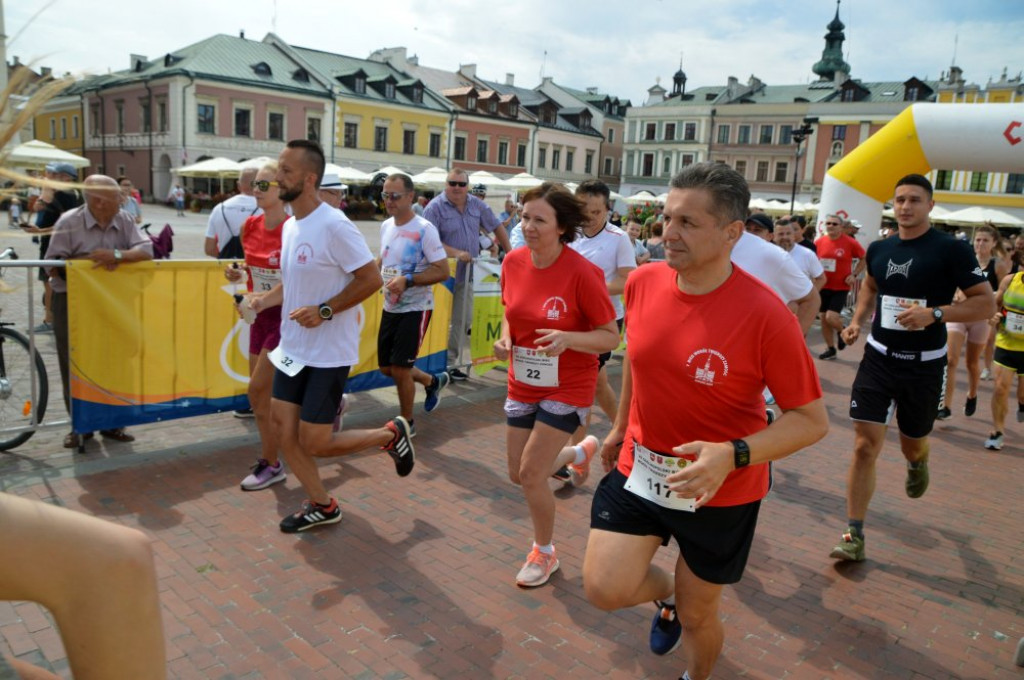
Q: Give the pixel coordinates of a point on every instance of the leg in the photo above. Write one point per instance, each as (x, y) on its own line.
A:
(702, 627)
(462, 315)
(954, 345)
(974, 351)
(860, 481)
(990, 348)
(1000, 394)
(285, 416)
(47, 302)
(111, 628)
(826, 330)
(406, 389)
(617, 571)
(531, 461)
(261, 382)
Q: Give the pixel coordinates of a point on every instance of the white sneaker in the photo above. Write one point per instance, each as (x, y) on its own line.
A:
(994, 441)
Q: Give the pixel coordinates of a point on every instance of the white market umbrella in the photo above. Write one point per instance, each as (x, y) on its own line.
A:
(976, 215)
(389, 170)
(257, 162)
(36, 154)
(641, 197)
(758, 204)
(211, 167)
(433, 178)
(348, 174)
(485, 178)
(523, 180)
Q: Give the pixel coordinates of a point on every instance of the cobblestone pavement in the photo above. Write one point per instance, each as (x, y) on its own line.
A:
(417, 580)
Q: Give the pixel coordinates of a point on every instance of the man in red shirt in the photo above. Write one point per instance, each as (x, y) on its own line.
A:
(836, 251)
(688, 453)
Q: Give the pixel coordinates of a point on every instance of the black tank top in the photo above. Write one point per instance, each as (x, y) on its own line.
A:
(990, 273)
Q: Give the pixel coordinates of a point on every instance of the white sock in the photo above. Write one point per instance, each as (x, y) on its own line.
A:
(581, 455)
(548, 549)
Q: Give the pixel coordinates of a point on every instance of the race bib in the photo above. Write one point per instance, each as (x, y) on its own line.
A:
(534, 368)
(284, 363)
(828, 264)
(1014, 323)
(893, 306)
(388, 273)
(264, 279)
(647, 478)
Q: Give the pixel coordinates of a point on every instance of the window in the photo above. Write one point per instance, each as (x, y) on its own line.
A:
(243, 118)
(690, 132)
(471, 102)
(542, 157)
(670, 132)
(435, 145)
(147, 118)
(848, 94)
(64, 128)
(611, 135)
(53, 128)
(743, 134)
(1014, 183)
(502, 153)
(417, 94)
(979, 180)
(568, 160)
(119, 115)
(389, 90)
(556, 158)
(313, 129)
(785, 134)
(360, 85)
(380, 138)
(687, 159)
(492, 106)
(275, 126)
(588, 163)
(94, 120)
(513, 110)
(351, 136)
(666, 165)
(481, 150)
(74, 126)
(161, 115)
(741, 168)
(607, 165)
(521, 156)
(650, 131)
(648, 165)
(837, 150)
(767, 132)
(943, 180)
(723, 134)
(762, 172)
(911, 95)
(408, 141)
(838, 132)
(206, 117)
(781, 171)
(459, 153)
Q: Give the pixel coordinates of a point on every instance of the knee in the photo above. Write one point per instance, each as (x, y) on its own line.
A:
(531, 476)
(865, 451)
(513, 476)
(607, 594)
(386, 370)
(313, 440)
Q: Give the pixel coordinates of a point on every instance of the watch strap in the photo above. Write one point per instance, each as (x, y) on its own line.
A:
(740, 453)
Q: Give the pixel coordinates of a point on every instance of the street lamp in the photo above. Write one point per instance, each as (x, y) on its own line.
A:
(799, 135)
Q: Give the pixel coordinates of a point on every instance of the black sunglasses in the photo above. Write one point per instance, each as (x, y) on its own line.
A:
(453, 183)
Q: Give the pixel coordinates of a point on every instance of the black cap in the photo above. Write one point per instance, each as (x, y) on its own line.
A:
(761, 220)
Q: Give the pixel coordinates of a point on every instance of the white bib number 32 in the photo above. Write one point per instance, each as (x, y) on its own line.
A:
(284, 363)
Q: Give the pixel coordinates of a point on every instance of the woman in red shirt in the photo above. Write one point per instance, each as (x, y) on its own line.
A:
(558, 318)
(261, 240)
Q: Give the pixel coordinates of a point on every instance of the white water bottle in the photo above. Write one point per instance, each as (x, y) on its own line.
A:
(248, 313)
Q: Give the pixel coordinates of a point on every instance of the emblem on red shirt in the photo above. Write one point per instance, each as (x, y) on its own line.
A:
(706, 365)
(554, 308)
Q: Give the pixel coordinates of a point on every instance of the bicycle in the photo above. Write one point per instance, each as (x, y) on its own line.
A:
(23, 392)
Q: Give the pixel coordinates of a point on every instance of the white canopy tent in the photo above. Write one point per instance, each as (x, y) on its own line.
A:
(211, 167)
(523, 180)
(978, 215)
(348, 174)
(641, 197)
(431, 178)
(36, 154)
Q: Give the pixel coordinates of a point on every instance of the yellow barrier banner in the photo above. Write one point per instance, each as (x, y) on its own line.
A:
(488, 313)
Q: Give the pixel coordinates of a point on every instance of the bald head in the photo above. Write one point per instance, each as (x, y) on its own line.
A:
(245, 178)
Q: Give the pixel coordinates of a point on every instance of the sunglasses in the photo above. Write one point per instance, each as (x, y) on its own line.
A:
(453, 183)
(393, 196)
(262, 184)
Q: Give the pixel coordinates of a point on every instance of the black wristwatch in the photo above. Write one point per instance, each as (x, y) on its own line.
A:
(326, 313)
(937, 314)
(740, 453)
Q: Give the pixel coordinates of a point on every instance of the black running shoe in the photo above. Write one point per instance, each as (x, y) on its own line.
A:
(829, 354)
(562, 474)
(970, 406)
(458, 375)
(400, 447)
(311, 515)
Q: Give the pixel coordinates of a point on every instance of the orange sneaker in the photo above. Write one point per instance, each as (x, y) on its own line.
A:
(538, 569)
(578, 473)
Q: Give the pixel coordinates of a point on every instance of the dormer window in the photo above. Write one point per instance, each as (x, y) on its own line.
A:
(301, 76)
(492, 106)
(513, 110)
(911, 94)
(389, 90)
(417, 94)
(359, 86)
(470, 102)
(262, 69)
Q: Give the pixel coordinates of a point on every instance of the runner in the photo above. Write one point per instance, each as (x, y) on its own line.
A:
(326, 271)
(907, 292)
(691, 428)
(837, 251)
(557, 318)
(1009, 354)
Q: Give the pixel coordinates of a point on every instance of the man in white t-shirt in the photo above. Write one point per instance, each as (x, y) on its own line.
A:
(412, 259)
(785, 237)
(227, 218)
(327, 270)
(778, 271)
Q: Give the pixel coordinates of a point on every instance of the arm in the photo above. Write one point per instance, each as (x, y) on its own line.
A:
(365, 282)
(210, 247)
(272, 298)
(460, 255)
(602, 339)
(818, 282)
(865, 310)
(862, 264)
(618, 282)
(503, 345)
(434, 273)
(613, 442)
(796, 429)
(502, 235)
(979, 303)
(807, 308)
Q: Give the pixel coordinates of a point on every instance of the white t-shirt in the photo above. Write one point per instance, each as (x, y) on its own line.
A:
(772, 266)
(227, 218)
(807, 261)
(409, 249)
(611, 250)
(318, 255)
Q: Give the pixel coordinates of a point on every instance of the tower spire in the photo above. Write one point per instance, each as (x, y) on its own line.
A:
(832, 56)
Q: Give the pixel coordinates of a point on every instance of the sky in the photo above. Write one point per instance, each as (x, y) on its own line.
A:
(621, 48)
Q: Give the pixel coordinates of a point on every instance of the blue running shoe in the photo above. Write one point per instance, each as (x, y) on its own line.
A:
(666, 631)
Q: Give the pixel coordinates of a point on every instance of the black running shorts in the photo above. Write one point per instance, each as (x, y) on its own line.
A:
(912, 388)
(317, 390)
(833, 300)
(400, 337)
(1011, 360)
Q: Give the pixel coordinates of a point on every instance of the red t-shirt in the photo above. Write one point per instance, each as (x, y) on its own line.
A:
(262, 253)
(699, 364)
(569, 295)
(837, 259)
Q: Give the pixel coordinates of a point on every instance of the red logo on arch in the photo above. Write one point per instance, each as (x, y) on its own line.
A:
(1014, 140)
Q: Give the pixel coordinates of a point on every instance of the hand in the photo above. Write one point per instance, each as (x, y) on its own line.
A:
(233, 274)
(103, 257)
(502, 348)
(702, 478)
(396, 286)
(552, 342)
(851, 279)
(307, 317)
(914, 316)
(851, 333)
(464, 256)
(610, 450)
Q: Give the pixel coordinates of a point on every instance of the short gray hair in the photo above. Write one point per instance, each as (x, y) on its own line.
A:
(729, 192)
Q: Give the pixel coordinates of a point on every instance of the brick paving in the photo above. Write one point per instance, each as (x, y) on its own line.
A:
(417, 580)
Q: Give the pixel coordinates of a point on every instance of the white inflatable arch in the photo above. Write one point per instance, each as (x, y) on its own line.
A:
(982, 137)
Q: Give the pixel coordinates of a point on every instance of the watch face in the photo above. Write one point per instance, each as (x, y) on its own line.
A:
(326, 312)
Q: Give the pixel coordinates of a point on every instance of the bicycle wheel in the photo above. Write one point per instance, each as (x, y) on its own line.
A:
(16, 404)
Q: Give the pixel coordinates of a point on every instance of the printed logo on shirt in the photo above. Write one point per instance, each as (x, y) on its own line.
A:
(707, 364)
(978, 271)
(274, 259)
(840, 252)
(554, 308)
(902, 269)
(304, 254)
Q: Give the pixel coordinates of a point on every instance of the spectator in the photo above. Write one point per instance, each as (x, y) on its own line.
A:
(224, 227)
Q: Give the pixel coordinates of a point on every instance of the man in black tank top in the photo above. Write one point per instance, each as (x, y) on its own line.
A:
(907, 291)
